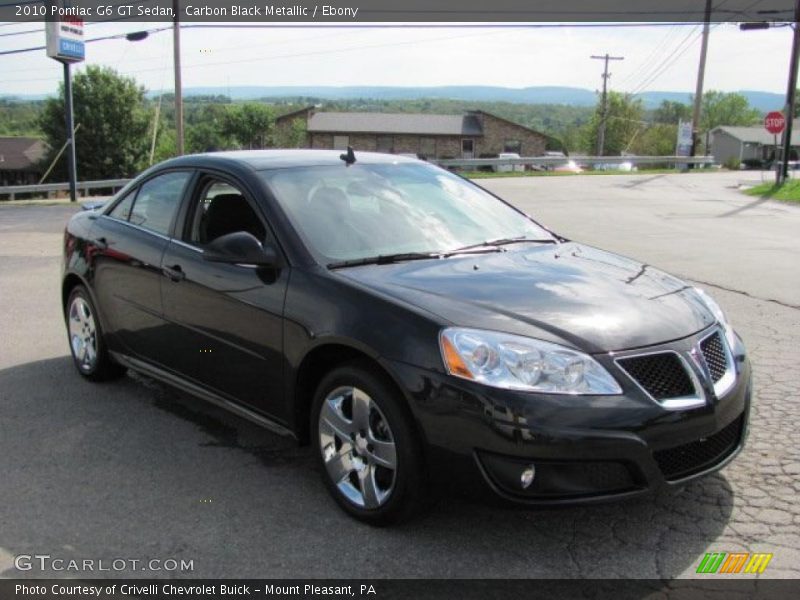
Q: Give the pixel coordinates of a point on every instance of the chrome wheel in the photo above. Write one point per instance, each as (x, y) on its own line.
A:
(82, 334)
(358, 447)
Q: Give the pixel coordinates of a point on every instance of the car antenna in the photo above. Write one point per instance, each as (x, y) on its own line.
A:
(349, 157)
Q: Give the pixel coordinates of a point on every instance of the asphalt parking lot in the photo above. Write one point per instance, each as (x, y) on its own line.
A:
(135, 470)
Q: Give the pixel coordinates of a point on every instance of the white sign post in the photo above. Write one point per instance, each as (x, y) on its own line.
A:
(65, 44)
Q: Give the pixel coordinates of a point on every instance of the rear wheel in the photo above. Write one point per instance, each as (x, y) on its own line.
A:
(367, 447)
(86, 343)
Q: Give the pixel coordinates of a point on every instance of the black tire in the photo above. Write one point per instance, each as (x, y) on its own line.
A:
(408, 493)
(102, 367)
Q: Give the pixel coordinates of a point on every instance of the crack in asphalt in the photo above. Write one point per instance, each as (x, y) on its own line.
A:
(743, 293)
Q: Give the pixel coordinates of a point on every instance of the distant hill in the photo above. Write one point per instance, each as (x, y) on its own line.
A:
(763, 101)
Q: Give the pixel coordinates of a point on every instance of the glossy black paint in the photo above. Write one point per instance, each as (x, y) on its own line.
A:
(259, 337)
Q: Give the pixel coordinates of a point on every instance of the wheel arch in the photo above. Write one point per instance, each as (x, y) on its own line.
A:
(318, 362)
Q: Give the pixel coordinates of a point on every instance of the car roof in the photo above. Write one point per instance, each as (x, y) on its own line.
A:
(260, 160)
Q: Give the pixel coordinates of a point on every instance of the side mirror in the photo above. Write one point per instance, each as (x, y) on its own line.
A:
(241, 248)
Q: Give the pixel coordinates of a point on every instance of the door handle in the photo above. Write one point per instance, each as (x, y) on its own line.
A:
(175, 273)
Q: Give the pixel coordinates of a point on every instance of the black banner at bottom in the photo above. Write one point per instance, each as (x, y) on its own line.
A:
(390, 589)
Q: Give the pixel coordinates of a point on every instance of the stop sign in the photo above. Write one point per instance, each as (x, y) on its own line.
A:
(775, 122)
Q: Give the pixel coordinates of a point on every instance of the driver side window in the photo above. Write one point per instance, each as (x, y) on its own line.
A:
(220, 210)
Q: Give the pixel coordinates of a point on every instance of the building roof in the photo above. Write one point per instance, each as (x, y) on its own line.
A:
(394, 123)
(20, 153)
(758, 135)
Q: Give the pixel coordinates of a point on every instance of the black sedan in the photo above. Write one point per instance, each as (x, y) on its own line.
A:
(417, 330)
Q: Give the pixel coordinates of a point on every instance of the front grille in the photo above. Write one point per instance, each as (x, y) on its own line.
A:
(688, 459)
(714, 355)
(662, 375)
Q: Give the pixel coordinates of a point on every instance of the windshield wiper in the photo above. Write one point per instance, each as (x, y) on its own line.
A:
(384, 259)
(500, 242)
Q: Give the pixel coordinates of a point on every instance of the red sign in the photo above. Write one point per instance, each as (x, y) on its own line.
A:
(775, 122)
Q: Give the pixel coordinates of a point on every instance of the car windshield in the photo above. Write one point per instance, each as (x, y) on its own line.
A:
(370, 210)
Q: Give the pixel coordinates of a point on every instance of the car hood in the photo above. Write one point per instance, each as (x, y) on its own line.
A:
(568, 293)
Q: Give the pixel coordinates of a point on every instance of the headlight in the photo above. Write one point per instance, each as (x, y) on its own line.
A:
(513, 362)
(719, 315)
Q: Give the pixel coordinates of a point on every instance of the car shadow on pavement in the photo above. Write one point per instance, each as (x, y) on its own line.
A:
(134, 467)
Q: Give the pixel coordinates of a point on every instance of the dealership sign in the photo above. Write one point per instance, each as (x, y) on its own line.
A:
(65, 35)
(683, 147)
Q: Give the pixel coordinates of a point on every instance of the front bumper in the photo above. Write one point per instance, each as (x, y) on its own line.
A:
(582, 449)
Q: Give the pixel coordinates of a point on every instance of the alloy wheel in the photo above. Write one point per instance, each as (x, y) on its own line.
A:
(82, 334)
(358, 447)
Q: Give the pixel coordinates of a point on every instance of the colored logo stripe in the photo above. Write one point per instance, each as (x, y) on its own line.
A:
(733, 562)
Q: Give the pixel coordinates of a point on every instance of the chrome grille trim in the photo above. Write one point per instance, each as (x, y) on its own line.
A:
(677, 403)
(724, 383)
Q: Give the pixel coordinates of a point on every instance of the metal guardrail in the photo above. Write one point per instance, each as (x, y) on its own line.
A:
(49, 188)
(545, 161)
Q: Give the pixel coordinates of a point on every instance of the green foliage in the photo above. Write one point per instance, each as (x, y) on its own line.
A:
(658, 139)
(291, 136)
(249, 125)
(672, 112)
(19, 118)
(624, 121)
(720, 108)
(205, 129)
(733, 163)
(112, 139)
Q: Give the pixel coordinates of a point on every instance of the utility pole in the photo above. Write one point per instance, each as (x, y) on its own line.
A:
(790, 96)
(176, 53)
(601, 132)
(701, 74)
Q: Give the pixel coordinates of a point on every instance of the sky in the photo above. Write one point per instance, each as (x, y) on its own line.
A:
(657, 58)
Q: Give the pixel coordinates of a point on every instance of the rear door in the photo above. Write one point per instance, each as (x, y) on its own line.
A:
(130, 241)
(225, 321)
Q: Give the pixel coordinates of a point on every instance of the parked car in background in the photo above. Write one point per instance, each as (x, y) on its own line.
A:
(416, 330)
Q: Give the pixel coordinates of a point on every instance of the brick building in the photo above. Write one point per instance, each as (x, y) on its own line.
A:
(20, 159)
(476, 134)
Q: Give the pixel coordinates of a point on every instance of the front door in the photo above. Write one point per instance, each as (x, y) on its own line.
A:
(130, 241)
(467, 148)
(225, 320)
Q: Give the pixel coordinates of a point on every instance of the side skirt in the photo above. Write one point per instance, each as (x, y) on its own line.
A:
(201, 392)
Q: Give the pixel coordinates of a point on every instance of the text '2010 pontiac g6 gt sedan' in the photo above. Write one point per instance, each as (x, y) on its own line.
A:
(417, 330)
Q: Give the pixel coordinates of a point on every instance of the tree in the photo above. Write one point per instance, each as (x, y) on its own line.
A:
(720, 108)
(672, 112)
(112, 141)
(658, 139)
(205, 130)
(624, 120)
(250, 125)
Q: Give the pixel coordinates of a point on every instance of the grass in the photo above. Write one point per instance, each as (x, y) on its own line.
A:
(788, 192)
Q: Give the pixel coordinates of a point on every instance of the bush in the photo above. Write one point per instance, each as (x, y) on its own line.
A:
(732, 163)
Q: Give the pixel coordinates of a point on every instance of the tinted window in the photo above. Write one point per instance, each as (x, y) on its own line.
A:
(223, 209)
(122, 210)
(157, 202)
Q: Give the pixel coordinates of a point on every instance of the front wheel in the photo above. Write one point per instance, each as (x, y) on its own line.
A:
(367, 446)
(86, 343)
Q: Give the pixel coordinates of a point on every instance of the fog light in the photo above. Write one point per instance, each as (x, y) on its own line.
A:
(526, 479)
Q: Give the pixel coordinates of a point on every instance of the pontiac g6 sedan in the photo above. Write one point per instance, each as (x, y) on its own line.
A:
(418, 331)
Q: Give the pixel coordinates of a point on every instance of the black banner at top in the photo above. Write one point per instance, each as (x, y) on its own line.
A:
(383, 11)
